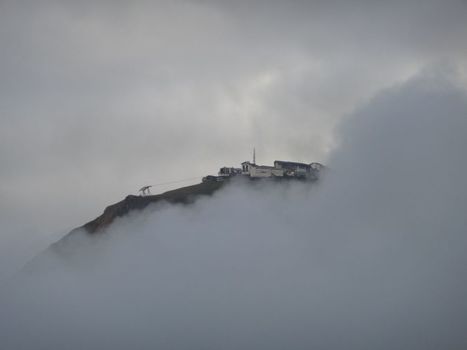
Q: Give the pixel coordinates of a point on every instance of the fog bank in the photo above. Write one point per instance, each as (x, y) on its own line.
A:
(372, 257)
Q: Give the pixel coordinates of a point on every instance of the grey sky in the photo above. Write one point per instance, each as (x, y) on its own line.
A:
(98, 98)
(371, 257)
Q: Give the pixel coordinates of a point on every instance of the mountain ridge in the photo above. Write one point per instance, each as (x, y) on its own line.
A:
(183, 195)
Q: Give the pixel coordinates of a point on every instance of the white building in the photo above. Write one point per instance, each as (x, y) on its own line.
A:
(280, 169)
(254, 170)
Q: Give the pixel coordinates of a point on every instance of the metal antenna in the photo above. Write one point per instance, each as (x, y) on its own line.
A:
(254, 155)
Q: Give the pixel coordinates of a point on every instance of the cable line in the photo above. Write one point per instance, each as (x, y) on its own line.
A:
(176, 181)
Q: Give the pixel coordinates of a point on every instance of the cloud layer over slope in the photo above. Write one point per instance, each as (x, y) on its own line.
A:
(372, 257)
(97, 96)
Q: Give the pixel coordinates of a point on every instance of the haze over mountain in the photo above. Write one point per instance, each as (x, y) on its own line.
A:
(99, 97)
(372, 256)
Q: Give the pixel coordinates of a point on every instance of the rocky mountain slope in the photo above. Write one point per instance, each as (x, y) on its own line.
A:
(183, 195)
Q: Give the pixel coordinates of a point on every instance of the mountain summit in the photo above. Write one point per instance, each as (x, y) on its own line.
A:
(251, 172)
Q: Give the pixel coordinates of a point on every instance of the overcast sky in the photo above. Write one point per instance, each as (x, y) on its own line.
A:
(370, 257)
(98, 98)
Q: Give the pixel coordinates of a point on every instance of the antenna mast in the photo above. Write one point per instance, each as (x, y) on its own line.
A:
(254, 156)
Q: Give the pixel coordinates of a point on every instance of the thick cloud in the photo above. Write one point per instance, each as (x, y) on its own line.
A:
(98, 98)
(372, 257)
